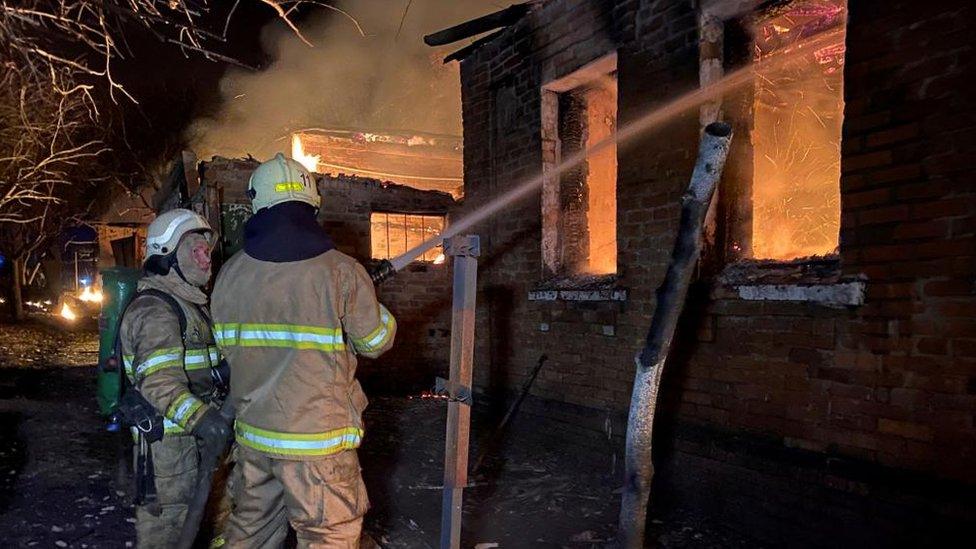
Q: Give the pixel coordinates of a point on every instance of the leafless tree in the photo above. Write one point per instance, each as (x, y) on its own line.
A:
(49, 151)
(87, 35)
(56, 61)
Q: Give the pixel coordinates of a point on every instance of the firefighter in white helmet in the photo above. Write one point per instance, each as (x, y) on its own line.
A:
(173, 373)
(291, 313)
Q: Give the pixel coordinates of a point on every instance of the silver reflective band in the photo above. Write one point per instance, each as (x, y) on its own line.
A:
(197, 356)
(292, 336)
(384, 331)
(157, 360)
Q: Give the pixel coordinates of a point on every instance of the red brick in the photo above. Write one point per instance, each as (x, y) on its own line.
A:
(964, 347)
(906, 429)
(884, 215)
(894, 135)
(924, 229)
(932, 346)
(942, 288)
(864, 161)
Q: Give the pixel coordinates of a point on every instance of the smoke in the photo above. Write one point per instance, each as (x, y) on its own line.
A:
(387, 80)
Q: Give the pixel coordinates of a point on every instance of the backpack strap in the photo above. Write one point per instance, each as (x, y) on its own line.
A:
(124, 383)
(171, 301)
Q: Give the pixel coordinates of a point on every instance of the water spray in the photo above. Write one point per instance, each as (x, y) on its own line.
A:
(625, 134)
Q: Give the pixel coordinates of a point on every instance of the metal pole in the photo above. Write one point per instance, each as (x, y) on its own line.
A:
(465, 249)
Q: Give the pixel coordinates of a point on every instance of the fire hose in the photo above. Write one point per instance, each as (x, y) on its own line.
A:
(210, 461)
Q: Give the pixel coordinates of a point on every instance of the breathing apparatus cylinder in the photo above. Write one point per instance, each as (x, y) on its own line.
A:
(118, 286)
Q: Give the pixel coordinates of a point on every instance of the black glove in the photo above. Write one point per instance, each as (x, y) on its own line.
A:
(221, 377)
(213, 431)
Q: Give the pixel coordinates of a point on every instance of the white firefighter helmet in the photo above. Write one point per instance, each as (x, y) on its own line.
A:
(165, 232)
(281, 179)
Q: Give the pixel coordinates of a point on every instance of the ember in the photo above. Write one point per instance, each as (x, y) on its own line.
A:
(799, 107)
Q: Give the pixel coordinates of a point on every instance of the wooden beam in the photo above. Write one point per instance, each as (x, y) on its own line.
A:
(465, 249)
(485, 23)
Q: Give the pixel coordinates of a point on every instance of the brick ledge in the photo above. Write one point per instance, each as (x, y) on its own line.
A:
(613, 294)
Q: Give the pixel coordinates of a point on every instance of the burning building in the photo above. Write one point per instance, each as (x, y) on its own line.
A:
(421, 161)
(827, 346)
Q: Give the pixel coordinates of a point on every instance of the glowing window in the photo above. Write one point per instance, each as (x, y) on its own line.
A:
(392, 234)
(799, 110)
(579, 206)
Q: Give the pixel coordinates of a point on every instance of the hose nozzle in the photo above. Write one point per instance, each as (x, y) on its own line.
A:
(381, 272)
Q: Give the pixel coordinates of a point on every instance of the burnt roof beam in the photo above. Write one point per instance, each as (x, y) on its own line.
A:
(477, 26)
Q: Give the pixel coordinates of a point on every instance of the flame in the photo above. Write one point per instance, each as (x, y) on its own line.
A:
(439, 259)
(67, 313)
(310, 161)
(93, 296)
(798, 117)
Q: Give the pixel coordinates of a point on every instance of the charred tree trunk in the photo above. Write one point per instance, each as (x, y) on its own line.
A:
(17, 289)
(650, 362)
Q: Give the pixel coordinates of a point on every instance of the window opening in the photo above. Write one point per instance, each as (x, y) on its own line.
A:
(580, 206)
(796, 135)
(392, 234)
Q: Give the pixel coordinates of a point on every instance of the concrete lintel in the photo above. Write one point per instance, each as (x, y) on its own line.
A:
(841, 294)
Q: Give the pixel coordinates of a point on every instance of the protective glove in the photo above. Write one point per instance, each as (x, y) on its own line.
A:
(213, 431)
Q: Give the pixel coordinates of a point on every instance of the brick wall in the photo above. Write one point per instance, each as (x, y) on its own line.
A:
(419, 296)
(587, 366)
(889, 386)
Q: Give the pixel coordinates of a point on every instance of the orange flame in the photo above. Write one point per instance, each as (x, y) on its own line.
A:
(92, 296)
(67, 313)
(310, 161)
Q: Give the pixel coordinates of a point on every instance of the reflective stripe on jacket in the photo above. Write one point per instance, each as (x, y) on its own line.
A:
(174, 379)
(291, 332)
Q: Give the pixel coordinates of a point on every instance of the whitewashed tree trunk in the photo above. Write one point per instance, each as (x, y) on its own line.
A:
(638, 468)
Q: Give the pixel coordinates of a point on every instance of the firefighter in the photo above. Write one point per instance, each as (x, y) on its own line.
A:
(291, 313)
(172, 362)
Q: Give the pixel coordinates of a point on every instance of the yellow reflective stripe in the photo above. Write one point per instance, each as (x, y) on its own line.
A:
(196, 359)
(289, 186)
(298, 444)
(378, 337)
(169, 428)
(127, 364)
(292, 336)
(160, 359)
(183, 408)
(217, 542)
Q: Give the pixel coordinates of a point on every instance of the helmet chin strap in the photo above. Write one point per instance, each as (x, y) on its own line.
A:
(176, 267)
(174, 264)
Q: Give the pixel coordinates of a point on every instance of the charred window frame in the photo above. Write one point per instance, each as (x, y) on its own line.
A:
(746, 269)
(393, 233)
(579, 206)
(748, 207)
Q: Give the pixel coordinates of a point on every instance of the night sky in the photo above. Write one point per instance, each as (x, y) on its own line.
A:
(173, 87)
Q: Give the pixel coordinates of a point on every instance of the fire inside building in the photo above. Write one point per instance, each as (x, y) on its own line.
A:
(695, 274)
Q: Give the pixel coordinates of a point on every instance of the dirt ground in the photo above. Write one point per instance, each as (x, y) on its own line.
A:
(536, 488)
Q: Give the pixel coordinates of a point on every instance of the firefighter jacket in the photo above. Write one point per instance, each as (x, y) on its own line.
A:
(291, 332)
(170, 369)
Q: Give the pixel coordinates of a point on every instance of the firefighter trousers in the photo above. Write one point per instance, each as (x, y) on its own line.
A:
(175, 462)
(324, 500)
